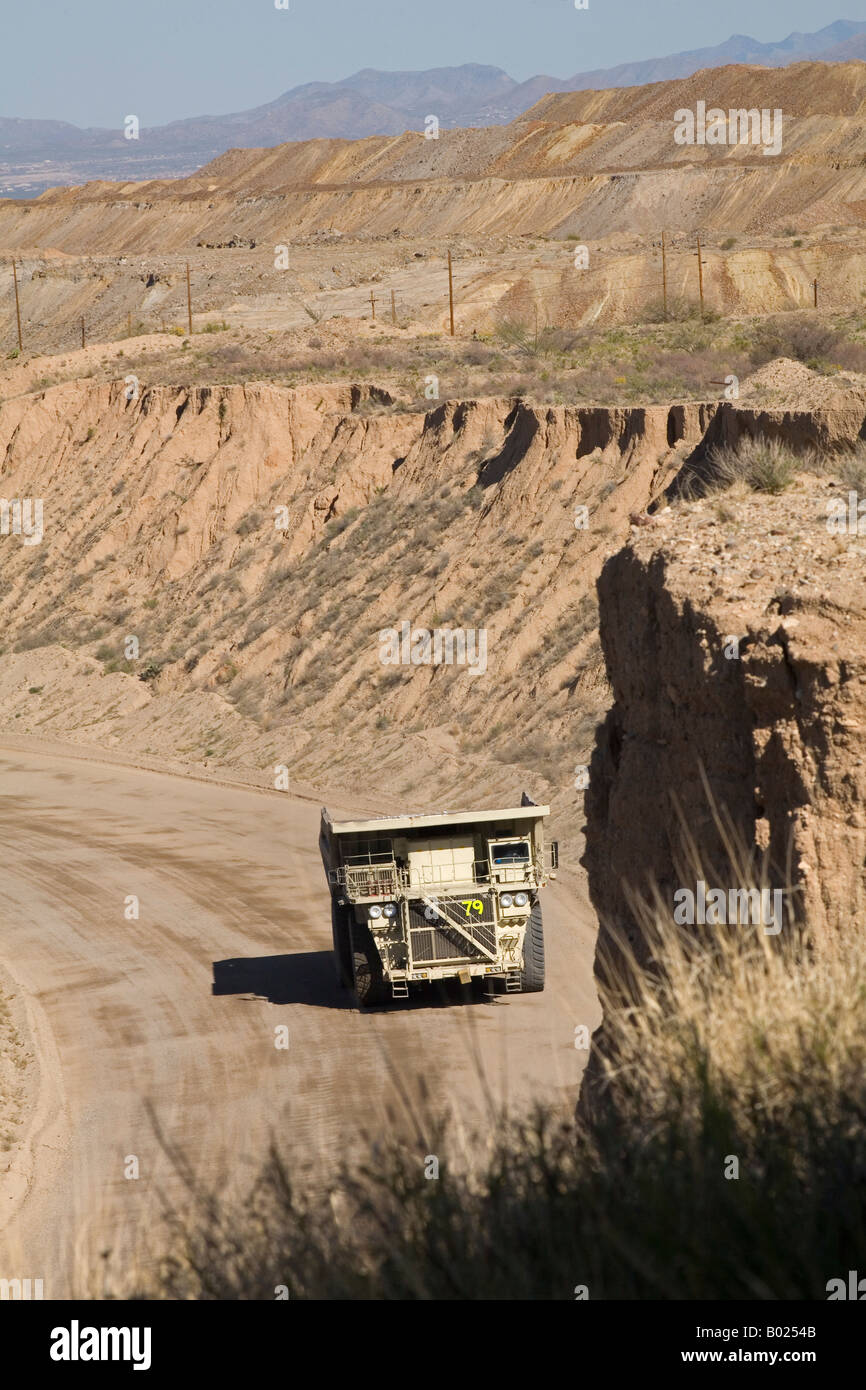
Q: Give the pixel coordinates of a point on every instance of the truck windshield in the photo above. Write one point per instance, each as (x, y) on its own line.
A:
(516, 852)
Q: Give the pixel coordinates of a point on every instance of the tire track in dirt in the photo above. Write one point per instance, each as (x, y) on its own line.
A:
(178, 1008)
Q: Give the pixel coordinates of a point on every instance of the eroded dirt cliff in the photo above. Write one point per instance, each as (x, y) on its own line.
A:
(256, 541)
(734, 631)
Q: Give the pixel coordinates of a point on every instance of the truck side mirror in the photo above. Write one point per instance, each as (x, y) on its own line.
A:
(554, 854)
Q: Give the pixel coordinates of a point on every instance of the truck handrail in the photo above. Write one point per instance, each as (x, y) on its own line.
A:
(391, 881)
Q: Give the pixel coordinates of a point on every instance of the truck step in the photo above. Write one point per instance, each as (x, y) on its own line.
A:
(513, 982)
(399, 989)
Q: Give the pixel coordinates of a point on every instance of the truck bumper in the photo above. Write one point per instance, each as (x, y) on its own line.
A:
(463, 971)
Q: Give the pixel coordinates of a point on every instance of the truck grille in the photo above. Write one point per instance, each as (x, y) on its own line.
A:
(431, 945)
(433, 940)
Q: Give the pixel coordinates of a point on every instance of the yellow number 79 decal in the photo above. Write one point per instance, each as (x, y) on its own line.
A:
(473, 905)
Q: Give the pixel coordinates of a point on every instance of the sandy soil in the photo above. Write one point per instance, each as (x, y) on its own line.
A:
(177, 1010)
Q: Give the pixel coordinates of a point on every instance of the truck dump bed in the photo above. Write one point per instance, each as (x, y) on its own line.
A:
(396, 854)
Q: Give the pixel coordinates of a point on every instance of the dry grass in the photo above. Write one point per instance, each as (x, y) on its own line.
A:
(849, 467)
(762, 465)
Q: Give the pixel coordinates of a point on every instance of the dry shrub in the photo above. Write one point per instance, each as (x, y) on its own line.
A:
(849, 467)
(806, 339)
(763, 465)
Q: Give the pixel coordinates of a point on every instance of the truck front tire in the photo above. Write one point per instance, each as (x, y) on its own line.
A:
(369, 978)
(532, 975)
(342, 944)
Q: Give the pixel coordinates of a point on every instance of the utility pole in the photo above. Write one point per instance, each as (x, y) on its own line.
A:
(451, 292)
(17, 305)
(393, 309)
(188, 300)
(83, 343)
(129, 324)
(700, 275)
(815, 287)
(373, 305)
(664, 277)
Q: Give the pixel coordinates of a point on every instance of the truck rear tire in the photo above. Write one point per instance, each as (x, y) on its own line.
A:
(368, 975)
(342, 944)
(532, 975)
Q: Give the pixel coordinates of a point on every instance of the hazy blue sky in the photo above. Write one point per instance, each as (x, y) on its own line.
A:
(94, 61)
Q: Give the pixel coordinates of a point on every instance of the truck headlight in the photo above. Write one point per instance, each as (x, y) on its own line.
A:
(390, 909)
(521, 899)
(506, 900)
(375, 910)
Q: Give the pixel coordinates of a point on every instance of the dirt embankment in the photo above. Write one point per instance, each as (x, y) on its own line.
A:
(734, 633)
(254, 542)
(216, 568)
(16, 1068)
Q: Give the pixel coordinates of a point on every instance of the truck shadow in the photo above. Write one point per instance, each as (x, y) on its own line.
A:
(307, 977)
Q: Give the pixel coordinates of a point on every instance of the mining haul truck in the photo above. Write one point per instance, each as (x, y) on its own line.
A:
(419, 898)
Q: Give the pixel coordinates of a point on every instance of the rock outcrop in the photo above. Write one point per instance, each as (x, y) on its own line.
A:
(734, 631)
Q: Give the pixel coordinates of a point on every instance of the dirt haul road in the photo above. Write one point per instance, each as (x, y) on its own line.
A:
(127, 1014)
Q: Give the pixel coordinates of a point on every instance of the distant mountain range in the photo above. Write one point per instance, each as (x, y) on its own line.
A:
(35, 154)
